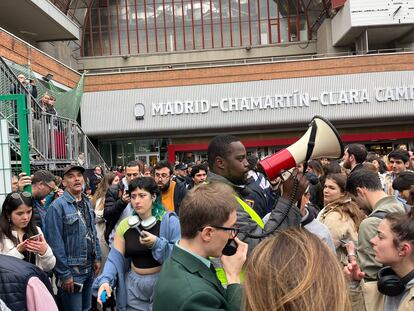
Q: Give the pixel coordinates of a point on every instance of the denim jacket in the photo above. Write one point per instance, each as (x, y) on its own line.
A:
(66, 232)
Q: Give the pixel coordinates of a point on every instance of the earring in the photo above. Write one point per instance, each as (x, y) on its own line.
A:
(9, 220)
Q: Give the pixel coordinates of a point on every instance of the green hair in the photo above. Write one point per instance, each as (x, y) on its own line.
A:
(158, 209)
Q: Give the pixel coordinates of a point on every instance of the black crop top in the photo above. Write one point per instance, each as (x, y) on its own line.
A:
(140, 255)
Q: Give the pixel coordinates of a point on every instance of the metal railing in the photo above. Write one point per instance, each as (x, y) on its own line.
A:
(54, 141)
(240, 61)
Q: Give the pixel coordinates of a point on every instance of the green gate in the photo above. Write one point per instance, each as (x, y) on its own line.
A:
(21, 147)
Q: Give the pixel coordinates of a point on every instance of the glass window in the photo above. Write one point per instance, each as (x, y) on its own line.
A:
(117, 153)
(177, 25)
(105, 151)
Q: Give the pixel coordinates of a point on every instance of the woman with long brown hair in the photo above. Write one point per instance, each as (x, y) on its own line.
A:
(341, 215)
(294, 271)
(98, 202)
(19, 235)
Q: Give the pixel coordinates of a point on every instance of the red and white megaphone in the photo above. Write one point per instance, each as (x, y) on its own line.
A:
(320, 140)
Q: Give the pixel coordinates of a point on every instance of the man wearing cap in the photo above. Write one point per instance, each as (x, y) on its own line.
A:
(180, 172)
(71, 233)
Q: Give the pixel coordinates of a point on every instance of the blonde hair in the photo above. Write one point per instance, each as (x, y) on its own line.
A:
(293, 271)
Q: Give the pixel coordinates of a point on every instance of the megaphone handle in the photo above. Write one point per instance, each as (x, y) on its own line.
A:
(285, 214)
(294, 191)
(311, 145)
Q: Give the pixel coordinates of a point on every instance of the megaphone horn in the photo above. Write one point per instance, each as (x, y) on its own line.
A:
(320, 140)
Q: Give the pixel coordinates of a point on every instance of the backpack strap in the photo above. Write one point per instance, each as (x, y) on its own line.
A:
(379, 214)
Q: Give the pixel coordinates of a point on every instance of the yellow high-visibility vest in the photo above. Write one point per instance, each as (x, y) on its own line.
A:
(221, 275)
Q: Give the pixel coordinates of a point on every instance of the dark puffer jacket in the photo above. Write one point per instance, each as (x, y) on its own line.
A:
(114, 206)
(14, 276)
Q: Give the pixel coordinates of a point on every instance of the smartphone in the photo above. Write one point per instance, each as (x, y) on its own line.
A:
(141, 234)
(35, 237)
(231, 248)
(77, 287)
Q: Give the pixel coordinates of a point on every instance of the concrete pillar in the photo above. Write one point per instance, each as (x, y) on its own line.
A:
(324, 39)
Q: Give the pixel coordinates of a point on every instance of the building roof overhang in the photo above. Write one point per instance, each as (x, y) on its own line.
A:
(37, 20)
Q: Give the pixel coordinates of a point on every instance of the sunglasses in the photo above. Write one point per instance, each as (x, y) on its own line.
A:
(19, 195)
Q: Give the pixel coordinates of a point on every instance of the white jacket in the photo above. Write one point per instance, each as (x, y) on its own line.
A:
(46, 262)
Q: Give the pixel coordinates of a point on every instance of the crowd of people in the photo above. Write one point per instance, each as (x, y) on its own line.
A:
(218, 235)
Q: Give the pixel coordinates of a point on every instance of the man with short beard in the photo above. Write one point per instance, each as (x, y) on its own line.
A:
(354, 156)
(117, 206)
(366, 188)
(43, 183)
(172, 192)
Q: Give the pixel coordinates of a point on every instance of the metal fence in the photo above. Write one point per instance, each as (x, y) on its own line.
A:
(5, 162)
(54, 141)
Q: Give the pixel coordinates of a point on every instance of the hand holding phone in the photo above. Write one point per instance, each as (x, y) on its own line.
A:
(37, 244)
(21, 247)
(104, 292)
(233, 265)
(35, 237)
(147, 239)
(67, 286)
(77, 287)
(140, 232)
(103, 296)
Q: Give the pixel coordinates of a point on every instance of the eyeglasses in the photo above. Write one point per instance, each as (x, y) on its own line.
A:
(234, 230)
(54, 189)
(19, 195)
(162, 176)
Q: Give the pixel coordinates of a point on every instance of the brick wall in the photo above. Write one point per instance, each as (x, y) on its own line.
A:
(289, 69)
(19, 52)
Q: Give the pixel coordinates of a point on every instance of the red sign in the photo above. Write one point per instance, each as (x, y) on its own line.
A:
(337, 4)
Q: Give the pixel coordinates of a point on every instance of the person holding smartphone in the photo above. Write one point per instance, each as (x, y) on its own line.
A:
(146, 239)
(19, 236)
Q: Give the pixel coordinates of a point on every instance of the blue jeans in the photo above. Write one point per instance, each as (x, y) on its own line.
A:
(79, 301)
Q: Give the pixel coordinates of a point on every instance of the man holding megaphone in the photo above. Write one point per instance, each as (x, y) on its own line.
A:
(228, 164)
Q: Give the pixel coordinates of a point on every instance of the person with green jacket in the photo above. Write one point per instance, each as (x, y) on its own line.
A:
(187, 280)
